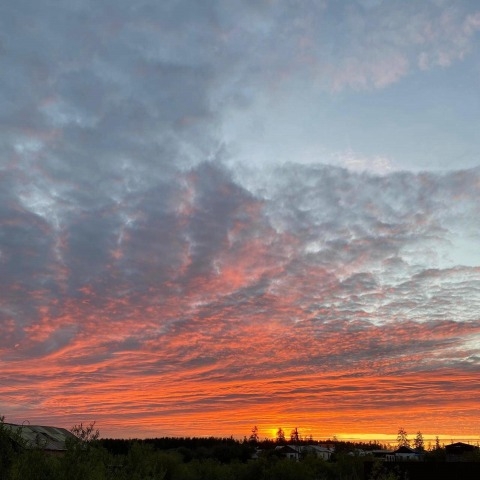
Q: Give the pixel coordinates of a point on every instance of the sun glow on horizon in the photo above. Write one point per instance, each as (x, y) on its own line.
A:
(210, 220)
(390, 440)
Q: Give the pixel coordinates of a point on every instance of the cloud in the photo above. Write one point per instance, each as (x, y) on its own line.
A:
(328, 272)
(149, 273)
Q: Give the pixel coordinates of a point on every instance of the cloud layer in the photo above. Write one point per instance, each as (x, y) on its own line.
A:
(163, 276)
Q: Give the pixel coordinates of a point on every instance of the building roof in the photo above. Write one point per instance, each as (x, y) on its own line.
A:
(288, 449)
(319, 448)
(46, 438)
(460, 447)
(405, 449)
(380, 452)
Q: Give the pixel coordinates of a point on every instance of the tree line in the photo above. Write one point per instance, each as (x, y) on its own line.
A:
(89, 457)
(402, 439)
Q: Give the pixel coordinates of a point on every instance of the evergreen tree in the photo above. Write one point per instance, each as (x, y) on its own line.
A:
(418, 443)
(254, 438)
(402, 438)
(295, 435)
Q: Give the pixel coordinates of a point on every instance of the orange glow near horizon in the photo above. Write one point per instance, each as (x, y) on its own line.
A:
(228, 372)
(126, 395)
(242, 315)
(237, 366)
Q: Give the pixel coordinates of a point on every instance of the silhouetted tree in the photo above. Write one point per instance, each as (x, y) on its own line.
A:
(418, 443)
(402, 438)
(254, 435)
(7, 445)
(86, 434)
(280, 435)
(295, 435)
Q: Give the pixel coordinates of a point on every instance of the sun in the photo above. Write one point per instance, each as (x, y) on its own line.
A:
(273, 432)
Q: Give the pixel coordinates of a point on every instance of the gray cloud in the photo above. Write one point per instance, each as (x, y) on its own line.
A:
(132, 226)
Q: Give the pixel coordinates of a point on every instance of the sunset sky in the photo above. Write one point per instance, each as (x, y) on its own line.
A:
(221, 214)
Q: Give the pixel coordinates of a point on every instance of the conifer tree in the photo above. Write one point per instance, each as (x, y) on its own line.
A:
(402, 438)
(254, 435)
(295, 435)
(418, 443)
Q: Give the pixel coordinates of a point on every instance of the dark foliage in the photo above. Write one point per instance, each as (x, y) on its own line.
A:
(89, 458)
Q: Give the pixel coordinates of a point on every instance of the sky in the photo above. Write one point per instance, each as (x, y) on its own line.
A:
(221, 214)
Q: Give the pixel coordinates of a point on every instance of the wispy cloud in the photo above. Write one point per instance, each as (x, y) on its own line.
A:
(162, 275)
(328, 273)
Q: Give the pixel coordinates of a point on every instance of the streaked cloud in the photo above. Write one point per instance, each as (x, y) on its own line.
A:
(188, 247)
